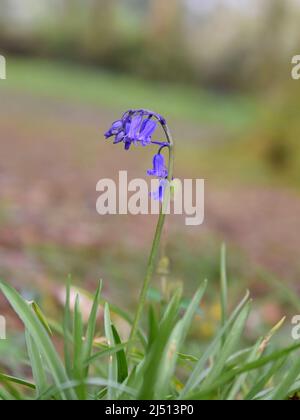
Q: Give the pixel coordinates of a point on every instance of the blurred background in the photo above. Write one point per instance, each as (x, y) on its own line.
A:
(220, 71)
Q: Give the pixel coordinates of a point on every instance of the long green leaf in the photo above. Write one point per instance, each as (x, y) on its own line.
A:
(121, 358)
(153, 326)
(37, 366)
(67, 331)
(224, 287)
(78, 348)
(91, 327)
(105, 353)
(112, 363)
(18, 381)
(39, 313)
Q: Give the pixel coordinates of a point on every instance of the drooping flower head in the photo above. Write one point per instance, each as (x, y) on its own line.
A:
(135, 127)
(138, 127)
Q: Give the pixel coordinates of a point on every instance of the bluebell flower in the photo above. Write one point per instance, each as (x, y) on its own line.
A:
(161, 172)
(119, 137)
(120, 130)
(159, 168)
(147, 129)
(134, 128)
(115, 129)
(159, 194)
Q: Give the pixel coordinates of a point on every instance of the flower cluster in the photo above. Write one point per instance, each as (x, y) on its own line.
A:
(137, 127)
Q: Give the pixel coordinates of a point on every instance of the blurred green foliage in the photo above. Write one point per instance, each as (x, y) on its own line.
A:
(167, 40)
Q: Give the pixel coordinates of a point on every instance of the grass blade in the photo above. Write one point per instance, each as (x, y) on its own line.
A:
(67, 330)
(121, 358)
(105, 353)
(78, 348)
(153, 326)
(112, 363)
(224, 287)
(14, 380)
(37, 366)
(91, 328)
(37, 310)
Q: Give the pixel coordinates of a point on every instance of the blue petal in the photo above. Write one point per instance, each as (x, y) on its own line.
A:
(127, 144)
(117, 125)
(135, 127)
(147, 129)
(119, 137)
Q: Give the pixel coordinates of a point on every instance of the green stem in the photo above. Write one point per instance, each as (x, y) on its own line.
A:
(155, 247)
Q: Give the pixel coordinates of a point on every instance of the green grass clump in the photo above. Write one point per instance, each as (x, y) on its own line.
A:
(156, 365)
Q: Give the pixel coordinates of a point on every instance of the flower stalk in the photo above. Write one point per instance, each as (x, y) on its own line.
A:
(155, 245)
(136, 127)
